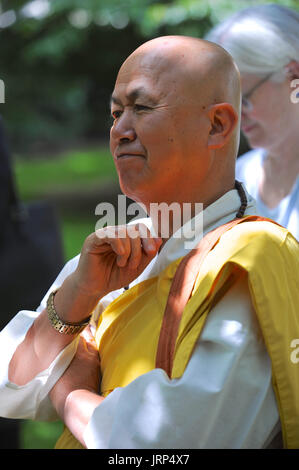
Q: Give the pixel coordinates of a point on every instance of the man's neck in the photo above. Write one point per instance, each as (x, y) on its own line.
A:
(167, 218)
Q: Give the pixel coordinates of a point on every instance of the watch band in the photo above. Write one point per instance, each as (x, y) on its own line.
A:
(59, 325)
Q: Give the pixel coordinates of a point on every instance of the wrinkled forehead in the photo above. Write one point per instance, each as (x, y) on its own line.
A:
(153, 73)
(151, 65)
(132, 86)
(183, 71)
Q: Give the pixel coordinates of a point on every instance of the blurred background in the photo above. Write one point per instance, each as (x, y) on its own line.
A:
(59, 60)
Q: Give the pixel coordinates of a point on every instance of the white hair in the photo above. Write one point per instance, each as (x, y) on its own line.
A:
(261, 39)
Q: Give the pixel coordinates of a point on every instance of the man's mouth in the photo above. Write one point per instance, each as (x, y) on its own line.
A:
(128, 155)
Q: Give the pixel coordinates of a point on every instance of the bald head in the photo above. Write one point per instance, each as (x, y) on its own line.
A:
(207, 68)
(176, 104)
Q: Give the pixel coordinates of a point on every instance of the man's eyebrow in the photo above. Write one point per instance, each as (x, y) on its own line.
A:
(114, 100)
(133, 95)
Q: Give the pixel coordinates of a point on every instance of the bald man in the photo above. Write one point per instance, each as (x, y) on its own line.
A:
(174, 139)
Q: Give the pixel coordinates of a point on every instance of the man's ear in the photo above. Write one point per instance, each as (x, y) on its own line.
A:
(223, 120)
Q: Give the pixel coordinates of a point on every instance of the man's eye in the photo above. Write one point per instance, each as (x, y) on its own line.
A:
(141, 107)
(116, 114)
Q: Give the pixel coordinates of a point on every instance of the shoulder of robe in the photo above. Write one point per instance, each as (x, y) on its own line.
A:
(260, 241)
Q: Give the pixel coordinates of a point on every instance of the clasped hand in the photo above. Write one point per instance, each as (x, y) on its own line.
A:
(110, 259)
(113, 257)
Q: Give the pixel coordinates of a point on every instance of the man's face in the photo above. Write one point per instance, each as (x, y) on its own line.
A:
(158, 138)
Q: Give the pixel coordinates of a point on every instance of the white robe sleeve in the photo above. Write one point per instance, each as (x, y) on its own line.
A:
(223, 400)
(30, 401)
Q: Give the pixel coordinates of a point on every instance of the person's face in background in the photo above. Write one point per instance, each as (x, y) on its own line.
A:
(269, 118)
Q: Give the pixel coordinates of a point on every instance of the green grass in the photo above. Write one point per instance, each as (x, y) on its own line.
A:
(74, 231)
(42, 176)
(38, 435)
(84, 169)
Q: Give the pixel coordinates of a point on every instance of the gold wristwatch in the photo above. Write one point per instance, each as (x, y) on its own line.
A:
(59, 325)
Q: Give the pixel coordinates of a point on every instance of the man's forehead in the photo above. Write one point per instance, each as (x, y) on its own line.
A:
(132, 93)
(179, 70)
(152, 65)
(136, 86)
(162, 70)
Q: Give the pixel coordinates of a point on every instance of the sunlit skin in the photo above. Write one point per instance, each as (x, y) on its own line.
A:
(165, 128)
(175, 138)
(272, 124)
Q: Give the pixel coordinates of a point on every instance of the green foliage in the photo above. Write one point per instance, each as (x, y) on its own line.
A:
(59, 63)
(148, 15)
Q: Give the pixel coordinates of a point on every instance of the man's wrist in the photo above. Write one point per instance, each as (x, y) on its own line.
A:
(84, 289)
(69, 328)
(71, 304)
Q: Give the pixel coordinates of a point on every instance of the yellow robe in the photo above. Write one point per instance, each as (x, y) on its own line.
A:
(128, 330)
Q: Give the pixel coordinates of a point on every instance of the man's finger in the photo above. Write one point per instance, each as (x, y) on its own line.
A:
(136, 247)
(115, 237)
(149, 243)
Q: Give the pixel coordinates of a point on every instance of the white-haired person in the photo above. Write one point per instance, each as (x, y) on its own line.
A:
(264, 42)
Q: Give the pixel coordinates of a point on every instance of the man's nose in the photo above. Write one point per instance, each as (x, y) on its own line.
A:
(123, 129)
